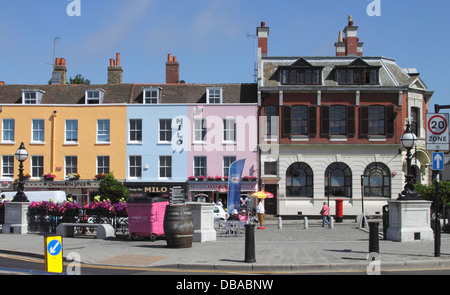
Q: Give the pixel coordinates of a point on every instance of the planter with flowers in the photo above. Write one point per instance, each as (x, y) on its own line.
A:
(73, 176)
(192, 178)
(249, 178)
(49, 176)
(70, 211)
(210, 178)
(26, 176)
(100, 176)
(201, 178)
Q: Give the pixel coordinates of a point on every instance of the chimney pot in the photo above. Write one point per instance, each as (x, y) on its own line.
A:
(263, 24)
(2, 82)
(118, 59)
(174, 59)
(169, 57)
(57, 61)
(111, 62)
(63, 61)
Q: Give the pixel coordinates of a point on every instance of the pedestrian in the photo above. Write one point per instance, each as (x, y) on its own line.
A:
(234, 215)
(260, 212)
(325, 212)
(3, 199)
(219, 203)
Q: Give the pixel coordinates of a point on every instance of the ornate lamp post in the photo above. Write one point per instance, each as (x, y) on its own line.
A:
(21, 155)
(408, 140)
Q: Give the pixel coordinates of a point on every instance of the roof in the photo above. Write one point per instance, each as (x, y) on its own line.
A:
(130, 93)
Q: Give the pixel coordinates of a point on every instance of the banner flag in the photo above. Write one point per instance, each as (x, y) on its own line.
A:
(234, 185)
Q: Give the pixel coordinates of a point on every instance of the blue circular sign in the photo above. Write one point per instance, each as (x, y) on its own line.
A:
(54, 247)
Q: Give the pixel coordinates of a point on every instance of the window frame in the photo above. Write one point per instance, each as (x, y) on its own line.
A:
(385, 172)
(102, 167)
(103, 132)
(8, 132)
(202, 167)
(229, 133)
(40, 131)
(226, 163)
(214, 95)
(347, 181)
(89, 99)
(135, 167)
(165, 166)
(164, 135)
(306, 190)
(200, 130)
(150, 99)
(134, 130)
(70, 165)
(7, 167)
(71, 139)
(37, 166)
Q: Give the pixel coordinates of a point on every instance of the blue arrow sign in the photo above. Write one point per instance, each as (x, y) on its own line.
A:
(54, 247)
(438, 161)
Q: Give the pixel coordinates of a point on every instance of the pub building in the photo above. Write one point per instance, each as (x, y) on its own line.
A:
(175, 192)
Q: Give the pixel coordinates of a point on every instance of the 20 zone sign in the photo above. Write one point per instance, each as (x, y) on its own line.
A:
(437, 131)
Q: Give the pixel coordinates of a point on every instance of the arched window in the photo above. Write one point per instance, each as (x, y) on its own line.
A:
(338, 180)
(299, 180)
(377, 180)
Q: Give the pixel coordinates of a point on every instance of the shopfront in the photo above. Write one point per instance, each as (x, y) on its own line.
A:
(81, 191)
(174, 191)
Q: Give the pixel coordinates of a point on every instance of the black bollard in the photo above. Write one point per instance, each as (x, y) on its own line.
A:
(250, 242)
(373, 238)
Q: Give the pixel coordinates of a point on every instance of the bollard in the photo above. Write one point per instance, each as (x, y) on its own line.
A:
(305, 222)
(250, 242)
(280, 222)
(373, 238)
(331, 222)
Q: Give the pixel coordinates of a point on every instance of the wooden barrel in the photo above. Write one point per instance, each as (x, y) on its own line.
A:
(178, 226)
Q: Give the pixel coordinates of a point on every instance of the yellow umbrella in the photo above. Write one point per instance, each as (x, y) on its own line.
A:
(262, 195)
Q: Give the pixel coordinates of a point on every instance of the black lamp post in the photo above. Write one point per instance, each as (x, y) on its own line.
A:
(408, 140)
(21, 155)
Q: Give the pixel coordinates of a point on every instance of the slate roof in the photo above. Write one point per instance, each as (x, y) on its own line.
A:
(130, 93)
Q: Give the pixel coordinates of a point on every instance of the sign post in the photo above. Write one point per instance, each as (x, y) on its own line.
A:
(437, 132)
(53, 254)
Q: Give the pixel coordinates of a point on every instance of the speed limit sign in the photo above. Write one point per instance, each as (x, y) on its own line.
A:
(437, 132)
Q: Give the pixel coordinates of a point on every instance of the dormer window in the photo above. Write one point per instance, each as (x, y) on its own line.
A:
(151, 95)
(32, 96)
(214, 95)
(357, 73)
(300, 73)
(94, 96)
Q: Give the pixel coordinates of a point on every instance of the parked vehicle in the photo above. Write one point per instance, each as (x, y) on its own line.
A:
(38, 196)
(219, 213)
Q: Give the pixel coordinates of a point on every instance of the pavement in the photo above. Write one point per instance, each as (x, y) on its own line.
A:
(289, 248)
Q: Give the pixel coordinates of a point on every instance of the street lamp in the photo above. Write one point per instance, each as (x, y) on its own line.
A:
(21, 155)
(408, 140)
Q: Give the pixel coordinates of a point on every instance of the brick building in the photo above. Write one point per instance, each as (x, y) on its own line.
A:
(333, 125)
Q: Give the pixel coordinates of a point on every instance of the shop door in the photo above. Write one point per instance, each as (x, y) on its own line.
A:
(271, 204)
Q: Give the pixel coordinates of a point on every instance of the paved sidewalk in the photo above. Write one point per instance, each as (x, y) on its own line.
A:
(291, 248)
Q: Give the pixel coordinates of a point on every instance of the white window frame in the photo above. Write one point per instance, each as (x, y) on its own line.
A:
(214, 95)
(200, 131)
(90, 99)
(10, 131)
(102, 168)
(40, 139)
(229, 130)
(151, 99)
(103, 132)
(71, 131)
(162, 164)
(7, 164)
(225, 166)
(39, 167)
(135, 167)
(165, 132)
(205, 166)
(26, 99)
(69, 166)
(135, 131)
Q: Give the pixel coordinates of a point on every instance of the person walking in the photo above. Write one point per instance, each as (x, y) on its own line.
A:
(325, 212)
(260, 212)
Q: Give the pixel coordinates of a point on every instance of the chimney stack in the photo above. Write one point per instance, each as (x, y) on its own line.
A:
(350, 45)
(262, 34)
(115, 72)
(59, 75)
(172, 70)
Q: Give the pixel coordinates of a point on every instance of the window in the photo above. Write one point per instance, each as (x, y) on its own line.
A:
(71, 131)
(357, 76)
(338, 180)
(229, 130)
(165, 167)
(376, 120)
(299, 120)
(37, 166)
(377, 180)
(311, 76)
(200, 166)
(135, 166)
(338, 120)
(415, 121)
(165, 130)
(103, 132)
(103, 164)
(8, 130)
(271, 121)
(299, 180)
(7, 166)
(227, 161)
(214, 95)
(270, 168)
(71, 164)
(135, 130)
(31, 96)
(151, 95)
(37, 130)
(94, 96)
(199, 130)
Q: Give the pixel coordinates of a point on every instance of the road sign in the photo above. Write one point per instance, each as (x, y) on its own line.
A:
(53, 254)
(437, 132)
(438, 161)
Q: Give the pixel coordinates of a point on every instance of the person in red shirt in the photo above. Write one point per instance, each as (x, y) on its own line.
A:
(325, 214)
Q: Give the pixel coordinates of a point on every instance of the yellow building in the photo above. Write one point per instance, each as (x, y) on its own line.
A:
(64, 140)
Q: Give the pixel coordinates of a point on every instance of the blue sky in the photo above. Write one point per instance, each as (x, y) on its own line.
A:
(209, 37)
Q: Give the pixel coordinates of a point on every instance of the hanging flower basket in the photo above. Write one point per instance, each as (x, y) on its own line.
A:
(49, 176)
